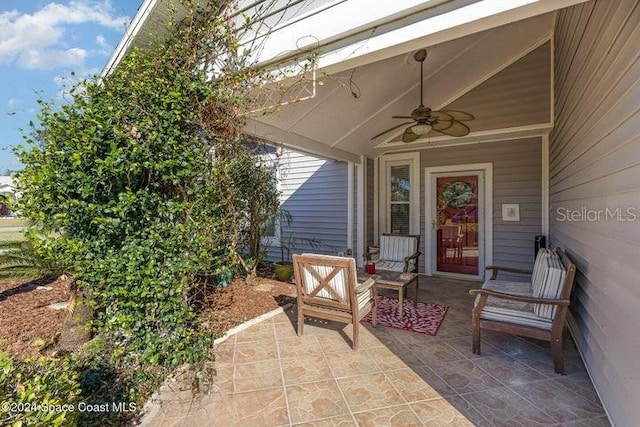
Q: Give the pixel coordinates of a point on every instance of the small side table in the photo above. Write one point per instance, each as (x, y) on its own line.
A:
(393, 280)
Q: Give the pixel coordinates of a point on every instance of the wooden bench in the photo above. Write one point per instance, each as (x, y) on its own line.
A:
(535, 309)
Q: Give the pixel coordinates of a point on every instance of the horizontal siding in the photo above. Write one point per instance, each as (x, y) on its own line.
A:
(595, 165)
(314, 192)
(516, 179)
(519, 95)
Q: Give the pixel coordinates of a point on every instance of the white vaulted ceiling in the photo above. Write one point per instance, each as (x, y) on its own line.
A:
(491, 58)
(501, 75)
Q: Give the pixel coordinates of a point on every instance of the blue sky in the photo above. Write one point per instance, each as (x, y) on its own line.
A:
(41, 43)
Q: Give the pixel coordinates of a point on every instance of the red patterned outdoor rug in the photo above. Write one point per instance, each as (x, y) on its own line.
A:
(426, 317)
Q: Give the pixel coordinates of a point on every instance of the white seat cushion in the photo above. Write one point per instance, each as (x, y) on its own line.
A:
(538, 268)
(337, 283)
(397, 248)
(390, 265)
(517, 312)
(394, 249)
(364, 298)
(550, 287)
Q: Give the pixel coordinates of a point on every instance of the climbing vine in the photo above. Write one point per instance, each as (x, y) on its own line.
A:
(137, 184)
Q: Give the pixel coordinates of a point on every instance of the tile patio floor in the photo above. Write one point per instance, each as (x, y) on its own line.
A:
(267, 376)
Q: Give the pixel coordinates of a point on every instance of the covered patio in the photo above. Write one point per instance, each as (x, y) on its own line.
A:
(553, 86)
(267, 376)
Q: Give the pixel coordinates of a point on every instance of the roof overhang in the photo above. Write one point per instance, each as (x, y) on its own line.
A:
(471, 40)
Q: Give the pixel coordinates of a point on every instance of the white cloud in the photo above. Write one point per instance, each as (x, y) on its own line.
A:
(13, 103)
(43, 59)
(104, 48)
(100, 41)
(35, 40)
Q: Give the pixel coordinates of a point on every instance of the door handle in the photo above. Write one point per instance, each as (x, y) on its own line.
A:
(434, 224)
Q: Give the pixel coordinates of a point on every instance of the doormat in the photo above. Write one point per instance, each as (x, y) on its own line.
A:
(424, 318)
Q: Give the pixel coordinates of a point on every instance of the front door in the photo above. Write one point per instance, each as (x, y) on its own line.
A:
(456, 200)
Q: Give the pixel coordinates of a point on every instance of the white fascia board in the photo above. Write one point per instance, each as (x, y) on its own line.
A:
(134, 28)
(458, 23)
(326, 22)
(396, 34)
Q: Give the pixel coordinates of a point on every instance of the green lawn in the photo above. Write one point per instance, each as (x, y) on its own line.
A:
(8, 228)
(13, 222)
(11, 235)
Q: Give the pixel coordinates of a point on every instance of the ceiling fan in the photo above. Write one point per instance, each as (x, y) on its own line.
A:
(424, 119)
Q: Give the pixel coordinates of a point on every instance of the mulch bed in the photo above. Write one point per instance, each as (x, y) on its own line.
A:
(25, 315)
(26, 319)
(229, 306)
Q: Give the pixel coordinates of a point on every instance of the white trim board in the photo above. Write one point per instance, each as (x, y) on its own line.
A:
(544, 177)
(350, 206)
(361, 210)
(480, 137)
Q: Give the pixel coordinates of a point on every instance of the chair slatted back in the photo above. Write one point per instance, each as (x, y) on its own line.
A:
(325, 281)
(396, 247)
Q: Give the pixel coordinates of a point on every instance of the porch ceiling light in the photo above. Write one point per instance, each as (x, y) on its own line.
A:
(421, 129)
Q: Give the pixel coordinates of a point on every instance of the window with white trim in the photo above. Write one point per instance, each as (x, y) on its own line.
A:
(399, 196)
(399, 213)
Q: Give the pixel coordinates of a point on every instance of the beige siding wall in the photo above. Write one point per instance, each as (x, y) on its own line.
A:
(595, 165)
(314, 191)
(517, 167)
(498, 102)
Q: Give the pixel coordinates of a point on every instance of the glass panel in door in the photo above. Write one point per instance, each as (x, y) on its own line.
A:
(457, 247)
(400, 199)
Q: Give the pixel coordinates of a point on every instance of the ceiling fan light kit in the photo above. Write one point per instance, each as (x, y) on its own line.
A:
(424, 120)
(421, 129)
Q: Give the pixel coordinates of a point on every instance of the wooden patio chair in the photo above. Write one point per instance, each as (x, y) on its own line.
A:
(535, 309)
(398, 252)
(328, 288)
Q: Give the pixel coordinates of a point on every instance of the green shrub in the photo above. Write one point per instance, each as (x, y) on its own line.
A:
(20, 260)
(39, 392)
(138, 186)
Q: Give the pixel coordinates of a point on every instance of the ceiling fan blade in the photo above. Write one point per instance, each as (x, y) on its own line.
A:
(441, 116)
(390, 129)
(409, 136)
(456, 129)
(457, 115)
(401, 117)
(440, 125)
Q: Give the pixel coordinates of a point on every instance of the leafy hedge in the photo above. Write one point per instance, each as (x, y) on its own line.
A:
(37, 392)
(139, 185)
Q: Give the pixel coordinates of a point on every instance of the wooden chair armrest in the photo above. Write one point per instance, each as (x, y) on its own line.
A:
(366, 285)
(495, 269)
(414, 256)
(368, 253)
(522, 298)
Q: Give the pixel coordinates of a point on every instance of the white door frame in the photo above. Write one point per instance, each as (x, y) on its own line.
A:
(485, 237)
